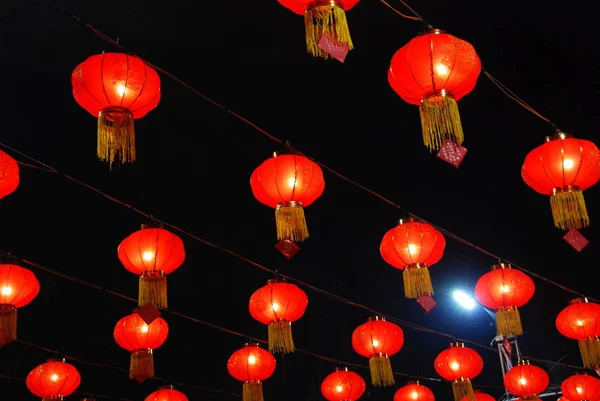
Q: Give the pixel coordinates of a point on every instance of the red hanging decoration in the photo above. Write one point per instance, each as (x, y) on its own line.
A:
(53, 380)
(581, 321)
(581, 387)
(413, 391)
(343, 385)
(479, 396)
(460, 365)
(116, 88)
(9, 175)
(167, 393)
(377, 340)
(413, 247)
(526, 381)
(251, 365)
(563, 168)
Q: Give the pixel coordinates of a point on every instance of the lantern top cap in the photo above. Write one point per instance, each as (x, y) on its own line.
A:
(276, 280)
(284, 152)
(405, 220)
(56, 359)
(523, 362)
(342, 369)
(502, 266)
(167, 387)
(558, 135)
(579, 301)
(151, 224)
(431, 30)
(413, 382)
(457, 345)
(321, 3)
(252, 345)
(376, 318)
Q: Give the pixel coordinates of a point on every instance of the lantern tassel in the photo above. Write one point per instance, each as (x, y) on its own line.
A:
(116, 136)
(8, 324)
(290, 221)
(508, 322)
(381, 371)
(142, 365)
(280, 337)
(590, 352)
(462, 388)
(252, 391)
(440, 121)
(568, 210)
(417, 281)
(326, 19)
(153, 289)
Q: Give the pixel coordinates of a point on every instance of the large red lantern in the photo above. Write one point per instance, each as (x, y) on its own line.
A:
(478, 396)
(152, 253)
(563, 168)
(288, 183)
(116, 88)
(167, 393)
(343, 385)
(413, 247)
(505, 289)
(251, 365)
(526, 381)
(53, 380)
(581, 321)
(141, 339)
(278, 304)
(460, 365)
(9, 175)
(413, 391)
(377, 340)
(435, 70)
(581, 387)
(18, 287)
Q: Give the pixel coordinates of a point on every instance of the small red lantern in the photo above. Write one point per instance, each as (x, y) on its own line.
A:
(116, 88)
(563, 168)
(343, 385)
(581, 321)
(288, 183)
(434, 71)
(526, 381)
(413, 247)
(377, 340)
(136, 336)
(53, 380)
(478, 396)
(278, 304)
(460, 365)
(167, 393)
(251, 365)
(9, 175)
(581, 388)
(152, 253)
(413, 391)
(505, 289)
(18, 287)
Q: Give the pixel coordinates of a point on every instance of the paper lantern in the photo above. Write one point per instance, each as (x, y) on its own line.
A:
(505, 289)
(413, 391)
(288, 183)
(167, 393)
(141, 339)
(152, 253)
(413, 247)
(434, 71)
(343, 385)
(581, 321)
(9, 175)
(563, 168)
(278, 304)
(526, 381)
(460, 365)
(251, 365)
(18, 287)
(581, 387)
(478, 396)
(53, 380)
(377, 340)
(116, 88)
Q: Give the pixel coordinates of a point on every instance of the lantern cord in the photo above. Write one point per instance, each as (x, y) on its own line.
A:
(401, 14)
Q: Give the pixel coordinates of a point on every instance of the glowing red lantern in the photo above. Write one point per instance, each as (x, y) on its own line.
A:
(581, 388)
(478, 396)
(278, 304)
(141, 339)
(53, 380)
(460, 365)
(413, 247)
(18, 287)
(435, 70)
(167, 393)
(343, 385)
(526, 381)
(581, 321)
(9, 175)
(251, 365)
(116, 88)
(377, 340)
(505, 289)
(288, 183)
(563, 168)
(152, 253)
(413, 391)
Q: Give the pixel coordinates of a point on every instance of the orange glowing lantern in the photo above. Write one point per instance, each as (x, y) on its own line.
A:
(581, 321)
(343, 385)
(478, 396)
(460, 365)
(526, 381)
(251, 365)
(413, 391)
(581, 387)
(9, 175)
(167, 393)
(53, 380)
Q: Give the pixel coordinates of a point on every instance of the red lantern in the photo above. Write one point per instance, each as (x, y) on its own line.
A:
(288, 183)
(136, 336)
(53, 380)
(116, 88)
(526, 381)
(435, 70)
(152, 253)
(414, 391)
(18, 287)
(343, 385)
(413, 247)
(478, 396)
(460, 365)
(563, 168)
(251, 365)
(278, 304)
(167, 393)
(581, 321)
(505, 289)
(9, 175)
(377, 340)
(581, 388)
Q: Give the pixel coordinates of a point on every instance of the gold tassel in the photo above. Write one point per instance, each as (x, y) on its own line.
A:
(116, 136)
(568, 209)
(252, 391)
(326, 17)
(462, 388)
(142, 365)
(440, 121)
(8, 324)
(381, 371)
(508, 322)
(417, 281)
(153, 289)
(280, 337)
(590, 352)
(290, 221)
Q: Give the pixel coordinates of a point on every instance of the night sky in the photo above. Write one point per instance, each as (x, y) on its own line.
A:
(193, 169)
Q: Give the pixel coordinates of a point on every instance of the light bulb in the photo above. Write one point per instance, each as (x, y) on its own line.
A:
(441, 69)
(54, 377)
(580, 323)
(251, 359)
(375, 343)
(275, 306)
(144, 328)
(121, 89)
(523, 381)
(148, 256)
(412, 248)
(414, 395)
(568, 163)
(6, 290)
(292, 182)
(505, 288)
(339, 388)
(454, 366)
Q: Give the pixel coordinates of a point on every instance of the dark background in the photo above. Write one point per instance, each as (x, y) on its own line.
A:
(195, 160)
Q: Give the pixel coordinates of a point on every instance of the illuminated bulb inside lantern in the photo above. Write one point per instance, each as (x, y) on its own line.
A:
(505, 288)
(251, 359)
(375, 343)
(441, 69)
(6, 290)
(292, 182)
(523, 381)
(144, 328)
(414, 395)
(580, 323)
(275, 306)
(454, 366)
(568, 163)
(339, 388)
(148, 256)
(121, 89)
(579, 389)
(54, 377)
(412, 248)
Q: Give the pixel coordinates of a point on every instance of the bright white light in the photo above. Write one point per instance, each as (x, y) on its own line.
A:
(464, 300)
